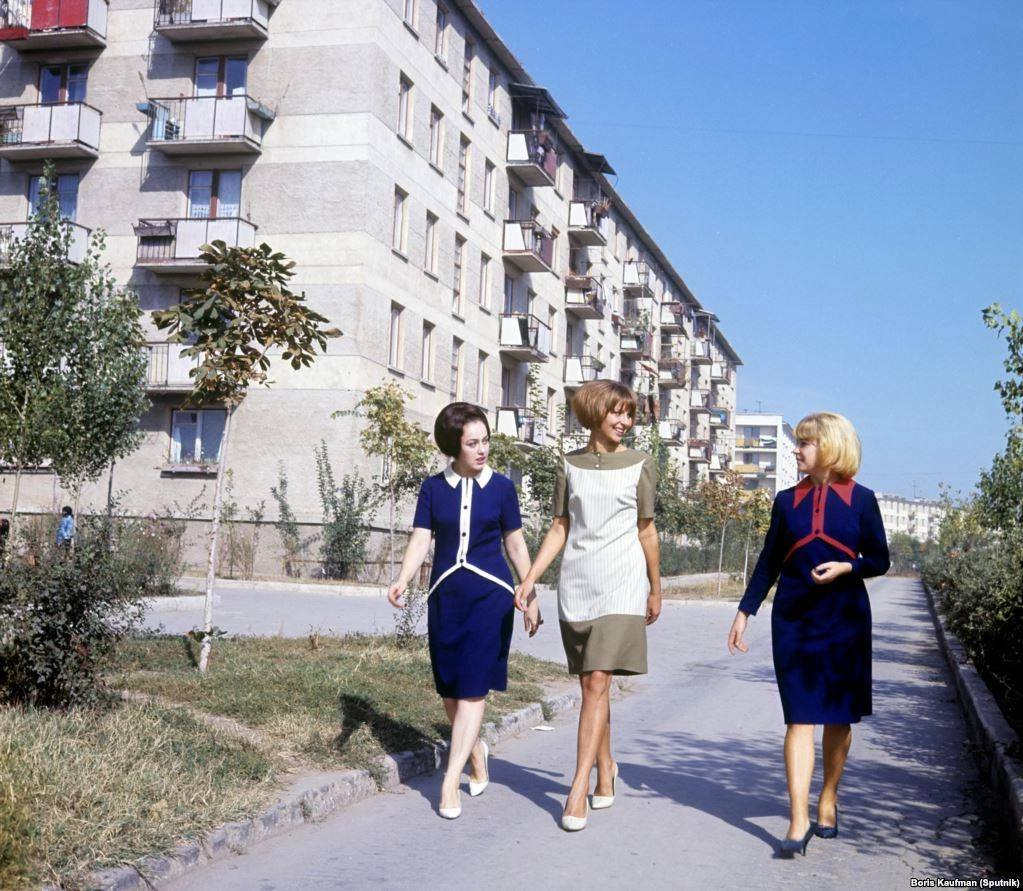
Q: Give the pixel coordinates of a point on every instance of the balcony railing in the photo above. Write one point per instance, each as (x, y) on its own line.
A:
(699, 400)
(11, 232)
(525, 337)
(671, 317)
(582, 368)
(205, 124)
(174, 245)
(45, 24)
(719, 373)
(167, 370)
(699, 451)
(588, 221)
(584, 297)
(636, 278)
(53, 130)
(533, 155)
(762, 443)
(520, 423)
(212, 19)
(528, 246)
(672, 430)
(699, 351)
(637, 342)
(719, 418)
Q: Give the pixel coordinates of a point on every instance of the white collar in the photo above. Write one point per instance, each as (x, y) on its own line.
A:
(453, 478)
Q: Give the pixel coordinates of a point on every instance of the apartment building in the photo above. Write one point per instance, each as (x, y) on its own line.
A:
(439, 209)
(919, 518)
(764, 445)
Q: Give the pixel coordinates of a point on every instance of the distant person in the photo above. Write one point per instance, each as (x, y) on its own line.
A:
(826, 536)
(5, 532)
(66, 529)
(471, 511)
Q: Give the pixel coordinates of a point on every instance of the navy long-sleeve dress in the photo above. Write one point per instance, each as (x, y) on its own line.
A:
(821, 633)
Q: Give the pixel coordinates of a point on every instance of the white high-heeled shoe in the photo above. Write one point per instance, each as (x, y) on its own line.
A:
(451, 813)
(599, 802)
(478, 788)
(574, 824)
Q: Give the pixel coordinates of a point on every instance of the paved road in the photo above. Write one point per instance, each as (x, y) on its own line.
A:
(701, 794)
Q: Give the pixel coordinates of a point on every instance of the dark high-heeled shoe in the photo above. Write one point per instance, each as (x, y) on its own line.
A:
(828, 831)
(792, 846)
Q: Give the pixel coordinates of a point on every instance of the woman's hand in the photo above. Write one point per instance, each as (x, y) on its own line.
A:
(531, 618)
(653, 607)
(735, 634)
(828, 572)
(395, 594)
(524, 595)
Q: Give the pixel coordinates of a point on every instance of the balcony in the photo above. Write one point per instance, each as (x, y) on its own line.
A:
(10, 232)
(699, 451)
(719, 418)
(53, 24)
(532, 156)
(525, 337)
(204, 125)
(699, 401)
(637, 343)
(528, 246)
(768, 443)
(57, 130)
(588, 215)
(173, 246)
(584, 297)
(636, 279)
(747, 469)
(672, 431)
(521, 424)
(167, 370)
(582, 368)
(672, 317)
(699, 352)
(719, 373)
(192, 20)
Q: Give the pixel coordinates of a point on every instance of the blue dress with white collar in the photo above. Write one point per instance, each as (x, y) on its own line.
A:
(471, 608)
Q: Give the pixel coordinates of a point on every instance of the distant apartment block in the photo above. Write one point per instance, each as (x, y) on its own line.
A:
(764, 452)
(919, 518)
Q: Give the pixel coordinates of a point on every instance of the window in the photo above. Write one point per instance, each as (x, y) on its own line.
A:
(214, 193)
(66, 188)
(395, 341)
(513, 204)
(552, 409)
(554, 248)
(470, 53)
(62, 83)
(456, 369)
(492, 95)
(463, 176)
(196, 435)
(404, 106)
(509, 293)
(484, 294)
(440, 40)
(552, 323)
(436, 137)
(459, 276)
(400, 227)
(488, 187)
(221, 76)
(409, 12)
(482, 379)
(430, 261)
(426, 372)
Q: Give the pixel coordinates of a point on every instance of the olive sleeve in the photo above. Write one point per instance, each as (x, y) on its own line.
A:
(646, 490)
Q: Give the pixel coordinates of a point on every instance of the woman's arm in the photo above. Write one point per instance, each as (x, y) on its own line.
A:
(765, 574)
(518, 552)
(553, 542)
(416, 551)
(874, 558)
(648, 538)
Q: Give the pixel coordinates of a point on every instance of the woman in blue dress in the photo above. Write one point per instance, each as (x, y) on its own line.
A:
(470, 511)
(826, 536)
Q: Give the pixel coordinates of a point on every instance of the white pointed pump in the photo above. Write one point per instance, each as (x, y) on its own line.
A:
(479, 788)
(599, 802)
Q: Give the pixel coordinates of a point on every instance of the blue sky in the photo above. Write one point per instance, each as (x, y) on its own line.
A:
(839, 181)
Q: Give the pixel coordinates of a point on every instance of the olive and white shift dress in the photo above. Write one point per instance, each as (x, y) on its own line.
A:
(603, 586)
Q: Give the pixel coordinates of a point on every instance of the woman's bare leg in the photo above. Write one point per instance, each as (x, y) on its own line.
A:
(593, 721)
(837, 740)
(465, 733)
(799, 756)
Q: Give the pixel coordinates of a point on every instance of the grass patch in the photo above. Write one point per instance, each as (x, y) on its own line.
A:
(91, 789)
(335, 701)
(731, 589)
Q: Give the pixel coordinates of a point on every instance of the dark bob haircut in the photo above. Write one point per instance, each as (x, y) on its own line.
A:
(447, 429)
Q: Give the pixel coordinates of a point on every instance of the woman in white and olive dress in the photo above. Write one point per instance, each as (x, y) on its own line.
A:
(609, 589)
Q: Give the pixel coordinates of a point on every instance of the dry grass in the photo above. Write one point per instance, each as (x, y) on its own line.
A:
(90, 789)
(731, 589)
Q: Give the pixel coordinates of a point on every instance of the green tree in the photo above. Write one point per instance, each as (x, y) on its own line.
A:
(243, 310)
(670, 509)
(71, 368)
(756, 516)
(505, 454)
(404, 446)
(723, 502)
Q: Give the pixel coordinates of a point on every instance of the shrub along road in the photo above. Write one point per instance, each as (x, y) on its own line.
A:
(701, 794)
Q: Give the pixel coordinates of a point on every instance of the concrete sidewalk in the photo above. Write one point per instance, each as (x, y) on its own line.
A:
(702, 789)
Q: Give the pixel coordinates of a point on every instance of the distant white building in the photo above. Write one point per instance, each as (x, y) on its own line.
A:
(918, 518)
(763, 453)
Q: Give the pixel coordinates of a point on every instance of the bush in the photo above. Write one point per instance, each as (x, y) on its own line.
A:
(61, 615)
(693, 558)
(346, 510)
(406, 619)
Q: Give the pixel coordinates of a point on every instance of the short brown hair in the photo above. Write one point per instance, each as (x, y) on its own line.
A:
(447, 429)
(595, 399)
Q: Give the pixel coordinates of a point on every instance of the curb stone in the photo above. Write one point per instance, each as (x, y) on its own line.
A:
(344, 788)
(995, 739)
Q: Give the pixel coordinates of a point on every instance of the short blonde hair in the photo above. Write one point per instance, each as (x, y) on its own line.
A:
(838, 445)
(595, 399)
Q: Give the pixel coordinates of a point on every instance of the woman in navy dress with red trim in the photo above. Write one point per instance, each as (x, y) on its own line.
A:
(826, 536)
(470, 511)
